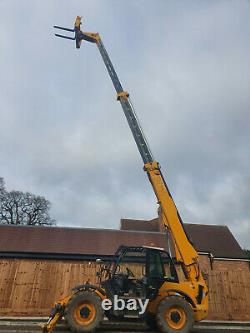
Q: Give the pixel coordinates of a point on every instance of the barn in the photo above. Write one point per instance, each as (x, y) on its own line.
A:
(41, 264)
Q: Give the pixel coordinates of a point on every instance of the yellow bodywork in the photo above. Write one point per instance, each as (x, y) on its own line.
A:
(182, 288)
(53, 320)
(193, 289)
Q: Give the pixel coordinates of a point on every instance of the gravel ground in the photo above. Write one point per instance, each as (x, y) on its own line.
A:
(33, 325)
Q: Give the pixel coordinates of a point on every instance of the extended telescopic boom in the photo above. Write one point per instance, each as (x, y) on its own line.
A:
(122, 95)
(185, 252)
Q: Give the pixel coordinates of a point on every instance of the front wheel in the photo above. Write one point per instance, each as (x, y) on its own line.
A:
(174, 315)
(83, 313)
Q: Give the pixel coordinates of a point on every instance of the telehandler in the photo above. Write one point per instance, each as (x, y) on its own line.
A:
(139, 272)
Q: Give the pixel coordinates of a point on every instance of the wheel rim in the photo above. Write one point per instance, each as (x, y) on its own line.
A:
(176, 317)
(85, 313)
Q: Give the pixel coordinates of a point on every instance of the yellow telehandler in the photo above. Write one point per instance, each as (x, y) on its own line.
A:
(144, 275)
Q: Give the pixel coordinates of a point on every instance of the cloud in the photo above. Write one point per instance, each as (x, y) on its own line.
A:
(63, 134)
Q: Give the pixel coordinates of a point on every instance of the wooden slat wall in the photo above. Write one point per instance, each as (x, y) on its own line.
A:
(30, 287)
(229, 295)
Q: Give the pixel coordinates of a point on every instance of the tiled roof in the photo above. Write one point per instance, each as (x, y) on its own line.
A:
(216, 239)
(72, 240)
(63, 240)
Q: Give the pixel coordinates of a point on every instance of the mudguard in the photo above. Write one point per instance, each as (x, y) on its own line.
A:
(88, 287)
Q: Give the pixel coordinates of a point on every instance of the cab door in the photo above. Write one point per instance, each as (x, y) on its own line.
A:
(159, 269)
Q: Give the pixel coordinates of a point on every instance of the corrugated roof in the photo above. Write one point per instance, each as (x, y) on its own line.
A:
(33, 239)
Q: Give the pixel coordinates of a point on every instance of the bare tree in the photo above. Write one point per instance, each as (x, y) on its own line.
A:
(2, 194)
(19, 208)
(1, 186)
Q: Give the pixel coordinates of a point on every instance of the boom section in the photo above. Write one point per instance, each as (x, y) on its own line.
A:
(123, 98)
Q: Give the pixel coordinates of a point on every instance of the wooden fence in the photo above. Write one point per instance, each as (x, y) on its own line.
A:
(30, 287)
(229, 295)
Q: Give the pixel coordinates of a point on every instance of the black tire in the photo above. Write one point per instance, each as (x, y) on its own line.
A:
(150, 320)
(83, 313)
(174, 314)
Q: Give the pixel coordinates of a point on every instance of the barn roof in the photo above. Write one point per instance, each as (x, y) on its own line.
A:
(72, 240)
(140, 225)
(216, 239)
(84, 241)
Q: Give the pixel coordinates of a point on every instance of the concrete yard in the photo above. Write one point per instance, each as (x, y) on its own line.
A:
(33, 325)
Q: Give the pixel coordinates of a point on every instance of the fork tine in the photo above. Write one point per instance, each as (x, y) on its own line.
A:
(66, 37)
(66, 29)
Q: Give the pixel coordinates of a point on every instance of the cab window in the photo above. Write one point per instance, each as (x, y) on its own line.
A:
(135, 261)
(161, 266)
(155, 265)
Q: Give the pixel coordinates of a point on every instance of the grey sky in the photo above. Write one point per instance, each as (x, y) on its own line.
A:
(186, 65)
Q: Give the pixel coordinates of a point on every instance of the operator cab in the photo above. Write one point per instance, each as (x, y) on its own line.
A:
(139, 272)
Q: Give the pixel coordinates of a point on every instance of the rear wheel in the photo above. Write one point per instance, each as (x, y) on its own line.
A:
(83, 313)
(174, 315)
